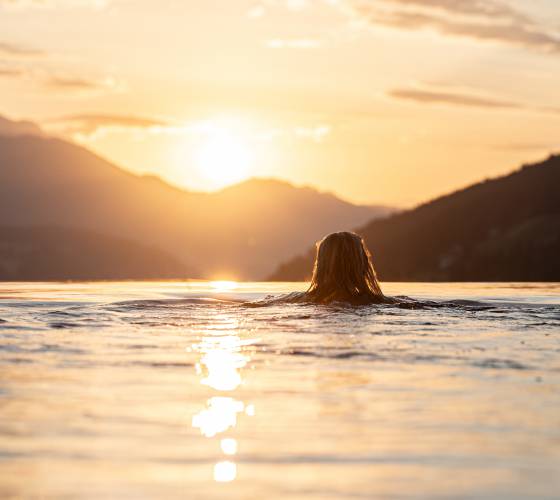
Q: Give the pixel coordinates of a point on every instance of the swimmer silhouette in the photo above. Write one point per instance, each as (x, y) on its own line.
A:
(343, 272)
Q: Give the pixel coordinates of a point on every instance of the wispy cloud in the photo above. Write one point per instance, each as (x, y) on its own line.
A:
(550, 109)
(452, 98)
(528, 146)
(14, 50)
(481, 20)
(256, 12)
(82, 85)
(48, 4)
(298, 43)
(452, 95)
(11, 72)
(90, 125)
(316, 134)
(259, 9)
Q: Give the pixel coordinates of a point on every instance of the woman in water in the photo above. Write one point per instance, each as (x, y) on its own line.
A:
(343, 272)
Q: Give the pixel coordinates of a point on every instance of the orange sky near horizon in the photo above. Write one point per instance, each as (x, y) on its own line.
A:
(381, 101)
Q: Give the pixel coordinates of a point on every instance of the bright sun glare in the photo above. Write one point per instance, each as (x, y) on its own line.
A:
(224, 156)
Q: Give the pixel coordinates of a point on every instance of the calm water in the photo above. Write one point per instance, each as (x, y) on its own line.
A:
(155, 390)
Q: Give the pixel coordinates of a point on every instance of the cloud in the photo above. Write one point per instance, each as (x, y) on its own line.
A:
(481, 20)
(550, 109)
(256, 11)
(528, 146)
(482, 8)
(261, 8)
(81, 85)
(51, 4)
(458, 99)
(301, 43)
(91, 125)
(316, 134)
(18, 51)
(11, 72)
(453, 95)
(297, 5)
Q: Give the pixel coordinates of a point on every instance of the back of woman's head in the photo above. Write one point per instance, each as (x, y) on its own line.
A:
(343, 271)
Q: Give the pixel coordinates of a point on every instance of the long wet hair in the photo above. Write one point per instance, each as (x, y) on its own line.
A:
(343, 272)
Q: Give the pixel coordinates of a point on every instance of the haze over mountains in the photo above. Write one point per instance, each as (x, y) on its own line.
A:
(504, 229)
(241, 232)
(53, 253)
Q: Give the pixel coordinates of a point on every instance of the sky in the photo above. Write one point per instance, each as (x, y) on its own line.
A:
(378, 101)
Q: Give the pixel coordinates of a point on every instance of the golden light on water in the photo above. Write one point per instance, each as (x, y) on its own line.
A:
(224, 285)
(219, 416)
(222, 367)
(223, 356)
(229, 446)
(221, 361)
(225, 471)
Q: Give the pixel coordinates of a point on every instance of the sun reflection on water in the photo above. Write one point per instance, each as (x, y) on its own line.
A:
(225, 471)
(229, 446)
(222, 361)
(223, 355)
(224, 285)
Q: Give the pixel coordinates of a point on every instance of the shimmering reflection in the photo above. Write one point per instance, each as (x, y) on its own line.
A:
(224, 286)
(223, 355)
(225, 471)
(222, 360)
(229, 446)
(453, 402)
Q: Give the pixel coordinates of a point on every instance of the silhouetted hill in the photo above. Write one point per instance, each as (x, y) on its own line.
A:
(52, 253)
(505, 229)
(243, 231)
(14, 128)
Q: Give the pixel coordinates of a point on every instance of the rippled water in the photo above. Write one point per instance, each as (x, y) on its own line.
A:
(160, 390)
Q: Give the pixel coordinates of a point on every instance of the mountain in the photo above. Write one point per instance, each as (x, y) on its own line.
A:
(53, 253)
(14, 128)
(242, 232)
(505, 229)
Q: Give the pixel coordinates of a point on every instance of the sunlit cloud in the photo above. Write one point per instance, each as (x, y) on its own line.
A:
(50, 4)
(528, 146)
(471, 7)
(480, 20)
(453, 95)
(298, 43)
(260, 9)
(19, 51)
(11, 72)
(452, 98)
(90, 124)
(256, 12)
(82, 85)
(86, 127)
(297, 4)
(316, 134)
(550, 109)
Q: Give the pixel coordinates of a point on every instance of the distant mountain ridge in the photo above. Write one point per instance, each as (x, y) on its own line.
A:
(53, 253)
(503, 229)
(241, 232)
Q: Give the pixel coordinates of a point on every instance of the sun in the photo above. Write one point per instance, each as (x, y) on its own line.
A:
(223, 157)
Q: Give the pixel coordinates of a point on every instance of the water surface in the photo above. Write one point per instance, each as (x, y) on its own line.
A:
(163, 390)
